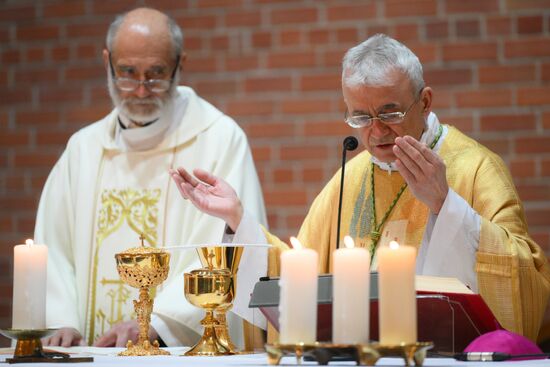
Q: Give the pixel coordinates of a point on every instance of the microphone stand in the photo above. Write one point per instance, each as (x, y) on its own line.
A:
(350, 143)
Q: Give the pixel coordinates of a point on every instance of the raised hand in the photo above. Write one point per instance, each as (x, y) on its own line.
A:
(210, 194)
(423, 170)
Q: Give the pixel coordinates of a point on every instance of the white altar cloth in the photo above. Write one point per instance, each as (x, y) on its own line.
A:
(106, 357)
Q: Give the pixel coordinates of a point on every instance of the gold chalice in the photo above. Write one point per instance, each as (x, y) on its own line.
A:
(143, 268)
(213, 288)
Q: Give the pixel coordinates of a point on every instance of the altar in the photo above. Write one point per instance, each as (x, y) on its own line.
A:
(104, 357)
(213, 288)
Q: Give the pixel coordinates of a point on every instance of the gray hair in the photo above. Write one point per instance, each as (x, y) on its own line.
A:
(176, 34)
(369, 63)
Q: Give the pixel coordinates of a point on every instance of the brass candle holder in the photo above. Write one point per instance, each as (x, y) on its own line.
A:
(28, 341)
(413, 354)
(28, 348)
(143, 268)
(213, 288)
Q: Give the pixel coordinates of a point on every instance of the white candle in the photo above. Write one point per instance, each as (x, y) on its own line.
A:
(298, 297)
(397, 295)
(29, 286)
(350, 294)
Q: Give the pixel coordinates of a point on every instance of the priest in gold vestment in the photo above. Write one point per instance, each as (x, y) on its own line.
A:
(420, 181)
(112, 184)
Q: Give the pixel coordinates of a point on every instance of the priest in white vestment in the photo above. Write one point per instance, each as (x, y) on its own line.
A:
(111, 185)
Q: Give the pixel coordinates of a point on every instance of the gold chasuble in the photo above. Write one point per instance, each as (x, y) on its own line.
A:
(512, 272)
(132, 194)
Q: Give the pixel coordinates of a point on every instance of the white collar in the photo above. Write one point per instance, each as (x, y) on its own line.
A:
(432, 126)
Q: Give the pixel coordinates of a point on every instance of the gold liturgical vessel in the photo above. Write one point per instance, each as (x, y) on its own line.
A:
(143, 268)
(28, 340)
(29, 347)
(213, 288)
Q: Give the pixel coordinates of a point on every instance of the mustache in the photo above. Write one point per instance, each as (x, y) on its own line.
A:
(142, 101)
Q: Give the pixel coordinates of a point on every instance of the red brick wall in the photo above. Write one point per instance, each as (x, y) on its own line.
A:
(274, 65)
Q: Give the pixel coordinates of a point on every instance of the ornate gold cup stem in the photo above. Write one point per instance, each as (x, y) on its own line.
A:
(143, 347)
(222, 330)
(209, 344)
(143, 309)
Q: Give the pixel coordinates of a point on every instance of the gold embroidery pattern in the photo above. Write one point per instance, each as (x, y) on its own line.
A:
(139, 208)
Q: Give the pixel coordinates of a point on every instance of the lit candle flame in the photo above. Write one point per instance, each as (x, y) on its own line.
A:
(394, 245)
(348, 241)
(296, 244)
(29, 242)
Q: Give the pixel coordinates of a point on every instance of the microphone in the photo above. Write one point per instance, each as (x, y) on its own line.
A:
(350, 143)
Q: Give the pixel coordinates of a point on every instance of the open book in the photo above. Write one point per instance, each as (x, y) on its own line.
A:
(449, 313)
(426, 283)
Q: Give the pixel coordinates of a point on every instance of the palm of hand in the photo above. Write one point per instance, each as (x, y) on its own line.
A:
(217, 200)
(210, 194)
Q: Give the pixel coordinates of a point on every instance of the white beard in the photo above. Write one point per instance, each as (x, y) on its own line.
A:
(141, 110)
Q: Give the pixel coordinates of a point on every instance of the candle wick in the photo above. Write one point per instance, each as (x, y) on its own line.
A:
(29, 242)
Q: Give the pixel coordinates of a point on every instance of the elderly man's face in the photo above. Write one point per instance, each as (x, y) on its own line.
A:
(140, 54)
(396, 96)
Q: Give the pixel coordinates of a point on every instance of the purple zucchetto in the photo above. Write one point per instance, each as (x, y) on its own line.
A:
(503, 341)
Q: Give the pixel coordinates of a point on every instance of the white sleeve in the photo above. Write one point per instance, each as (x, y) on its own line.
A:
(253, 265)
(173, 334)
(54, 227)
(450, 242)
(248, 231)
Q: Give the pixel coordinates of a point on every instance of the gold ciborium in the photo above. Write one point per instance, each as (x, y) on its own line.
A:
(213, 288)
(143, 268)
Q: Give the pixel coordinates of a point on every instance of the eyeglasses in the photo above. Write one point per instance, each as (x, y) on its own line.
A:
(153, 85)
(392, 118)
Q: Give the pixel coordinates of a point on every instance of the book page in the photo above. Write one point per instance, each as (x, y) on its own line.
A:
(428, 283)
